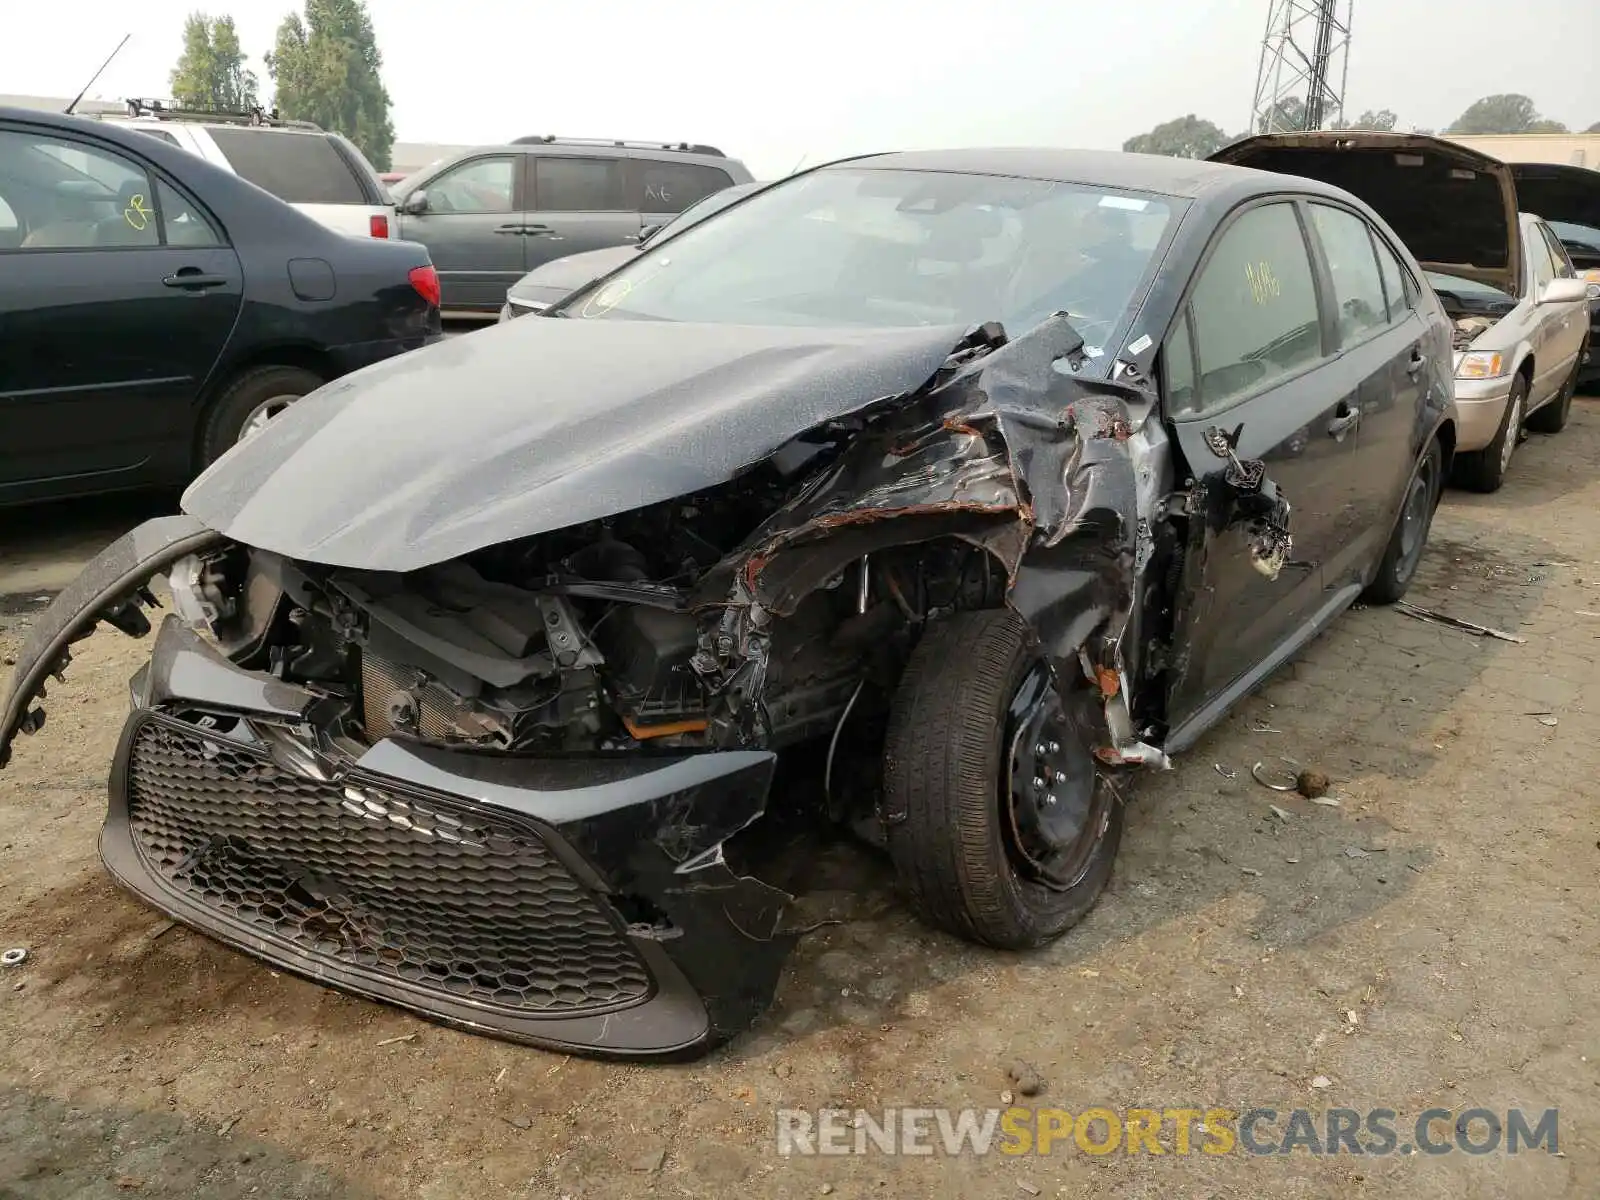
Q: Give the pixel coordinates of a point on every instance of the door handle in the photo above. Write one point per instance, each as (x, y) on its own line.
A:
(1345, 419)
(193, 279)
(543, 231)
(517, 229)
(1418, 361)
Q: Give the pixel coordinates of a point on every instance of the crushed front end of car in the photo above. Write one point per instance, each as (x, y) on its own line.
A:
(497, 756)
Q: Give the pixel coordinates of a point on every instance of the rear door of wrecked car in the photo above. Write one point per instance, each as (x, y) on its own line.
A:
(1396, 354)
(1250, 354)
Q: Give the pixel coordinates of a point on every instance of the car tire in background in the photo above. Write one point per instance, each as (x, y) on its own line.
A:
(1485, 470)
(1398, 566)
(974, 705)
(256, 395)
(1552, 418)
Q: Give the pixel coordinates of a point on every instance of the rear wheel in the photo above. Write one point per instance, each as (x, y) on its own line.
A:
(1552, 418)
(1000, 823)
(1485, 470)
(1398, 566)
(248, 403)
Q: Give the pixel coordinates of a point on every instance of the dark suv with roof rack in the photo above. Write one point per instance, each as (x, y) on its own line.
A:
(491, 214)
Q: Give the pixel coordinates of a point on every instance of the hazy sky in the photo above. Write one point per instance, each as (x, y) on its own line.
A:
(771, 83)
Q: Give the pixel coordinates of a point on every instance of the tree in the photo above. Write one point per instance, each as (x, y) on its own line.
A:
(1287, 116)
(1508, 112)
(1181, 137)
(326, 68)
(1383, 121)
(211, 74)
(1595, 128)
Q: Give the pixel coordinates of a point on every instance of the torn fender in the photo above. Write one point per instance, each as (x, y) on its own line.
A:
(111, 588)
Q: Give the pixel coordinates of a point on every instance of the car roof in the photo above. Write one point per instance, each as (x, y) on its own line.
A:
(1186, 178)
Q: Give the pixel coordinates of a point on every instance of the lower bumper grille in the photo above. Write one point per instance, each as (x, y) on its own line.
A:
(426, 894)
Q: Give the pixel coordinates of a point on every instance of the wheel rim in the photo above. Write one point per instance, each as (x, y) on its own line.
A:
(1055, 812)
(1414, 520)
(1513, 429)
(258, 416)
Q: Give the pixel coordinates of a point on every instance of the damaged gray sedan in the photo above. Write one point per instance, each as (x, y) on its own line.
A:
(919, 495)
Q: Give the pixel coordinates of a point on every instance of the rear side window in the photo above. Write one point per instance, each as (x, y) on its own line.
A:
(578, 184)
(1395, 287)
(301, 168)
(670, 187)
(1357, 286)
(1254, 307)
(184, 223)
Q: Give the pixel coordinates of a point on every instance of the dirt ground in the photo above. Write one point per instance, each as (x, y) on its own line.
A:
(1221, 969)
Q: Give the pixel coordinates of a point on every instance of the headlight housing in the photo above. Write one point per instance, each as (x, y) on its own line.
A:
(1592, 278)
(1482, 364)
(194, 593)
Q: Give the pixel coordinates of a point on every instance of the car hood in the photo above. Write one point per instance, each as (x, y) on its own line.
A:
(539, 424)
(1454, 208)
(1559, 193)
(571, 273)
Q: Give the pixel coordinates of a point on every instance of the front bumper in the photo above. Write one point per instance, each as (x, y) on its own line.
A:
(580, 904)
(1480, 407)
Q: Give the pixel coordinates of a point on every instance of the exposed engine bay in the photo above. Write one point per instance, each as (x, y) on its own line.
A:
(584, 639)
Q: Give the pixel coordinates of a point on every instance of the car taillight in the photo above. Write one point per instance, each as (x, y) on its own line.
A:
(379, 225)
(426, 281)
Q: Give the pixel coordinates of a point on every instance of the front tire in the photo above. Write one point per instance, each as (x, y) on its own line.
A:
(1485, 470)
(1552, 418)
(978, 849)
(252, 399)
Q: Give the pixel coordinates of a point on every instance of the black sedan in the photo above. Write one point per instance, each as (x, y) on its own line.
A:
(155, 308)
(921, 494)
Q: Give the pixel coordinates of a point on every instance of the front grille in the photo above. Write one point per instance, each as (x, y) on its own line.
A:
(425, 893)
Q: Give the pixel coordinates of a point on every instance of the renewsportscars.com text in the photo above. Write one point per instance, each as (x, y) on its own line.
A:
(1258, 1131)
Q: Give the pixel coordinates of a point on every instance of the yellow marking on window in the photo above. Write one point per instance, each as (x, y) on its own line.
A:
(138, 212)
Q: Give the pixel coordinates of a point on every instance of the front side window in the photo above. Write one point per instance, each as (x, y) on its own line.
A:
(68, 195)
(883, 248)
(578, 184)
(1541, 267)
(1179, 366)
(1254, 307)
(1558, 254)
(484, 185)
(1357, 285)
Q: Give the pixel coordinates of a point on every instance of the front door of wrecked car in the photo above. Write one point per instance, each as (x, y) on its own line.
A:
(1394, 357)
(1248, 363)
(118, 293)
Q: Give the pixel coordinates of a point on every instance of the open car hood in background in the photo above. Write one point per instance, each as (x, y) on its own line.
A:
(1454, 208)
(1559, 193)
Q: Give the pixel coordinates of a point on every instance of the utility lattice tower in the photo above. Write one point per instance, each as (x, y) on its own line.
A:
(1305, 63)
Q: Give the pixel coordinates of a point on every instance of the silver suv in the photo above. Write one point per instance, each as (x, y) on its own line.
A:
(320, 173)
(491, 214)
